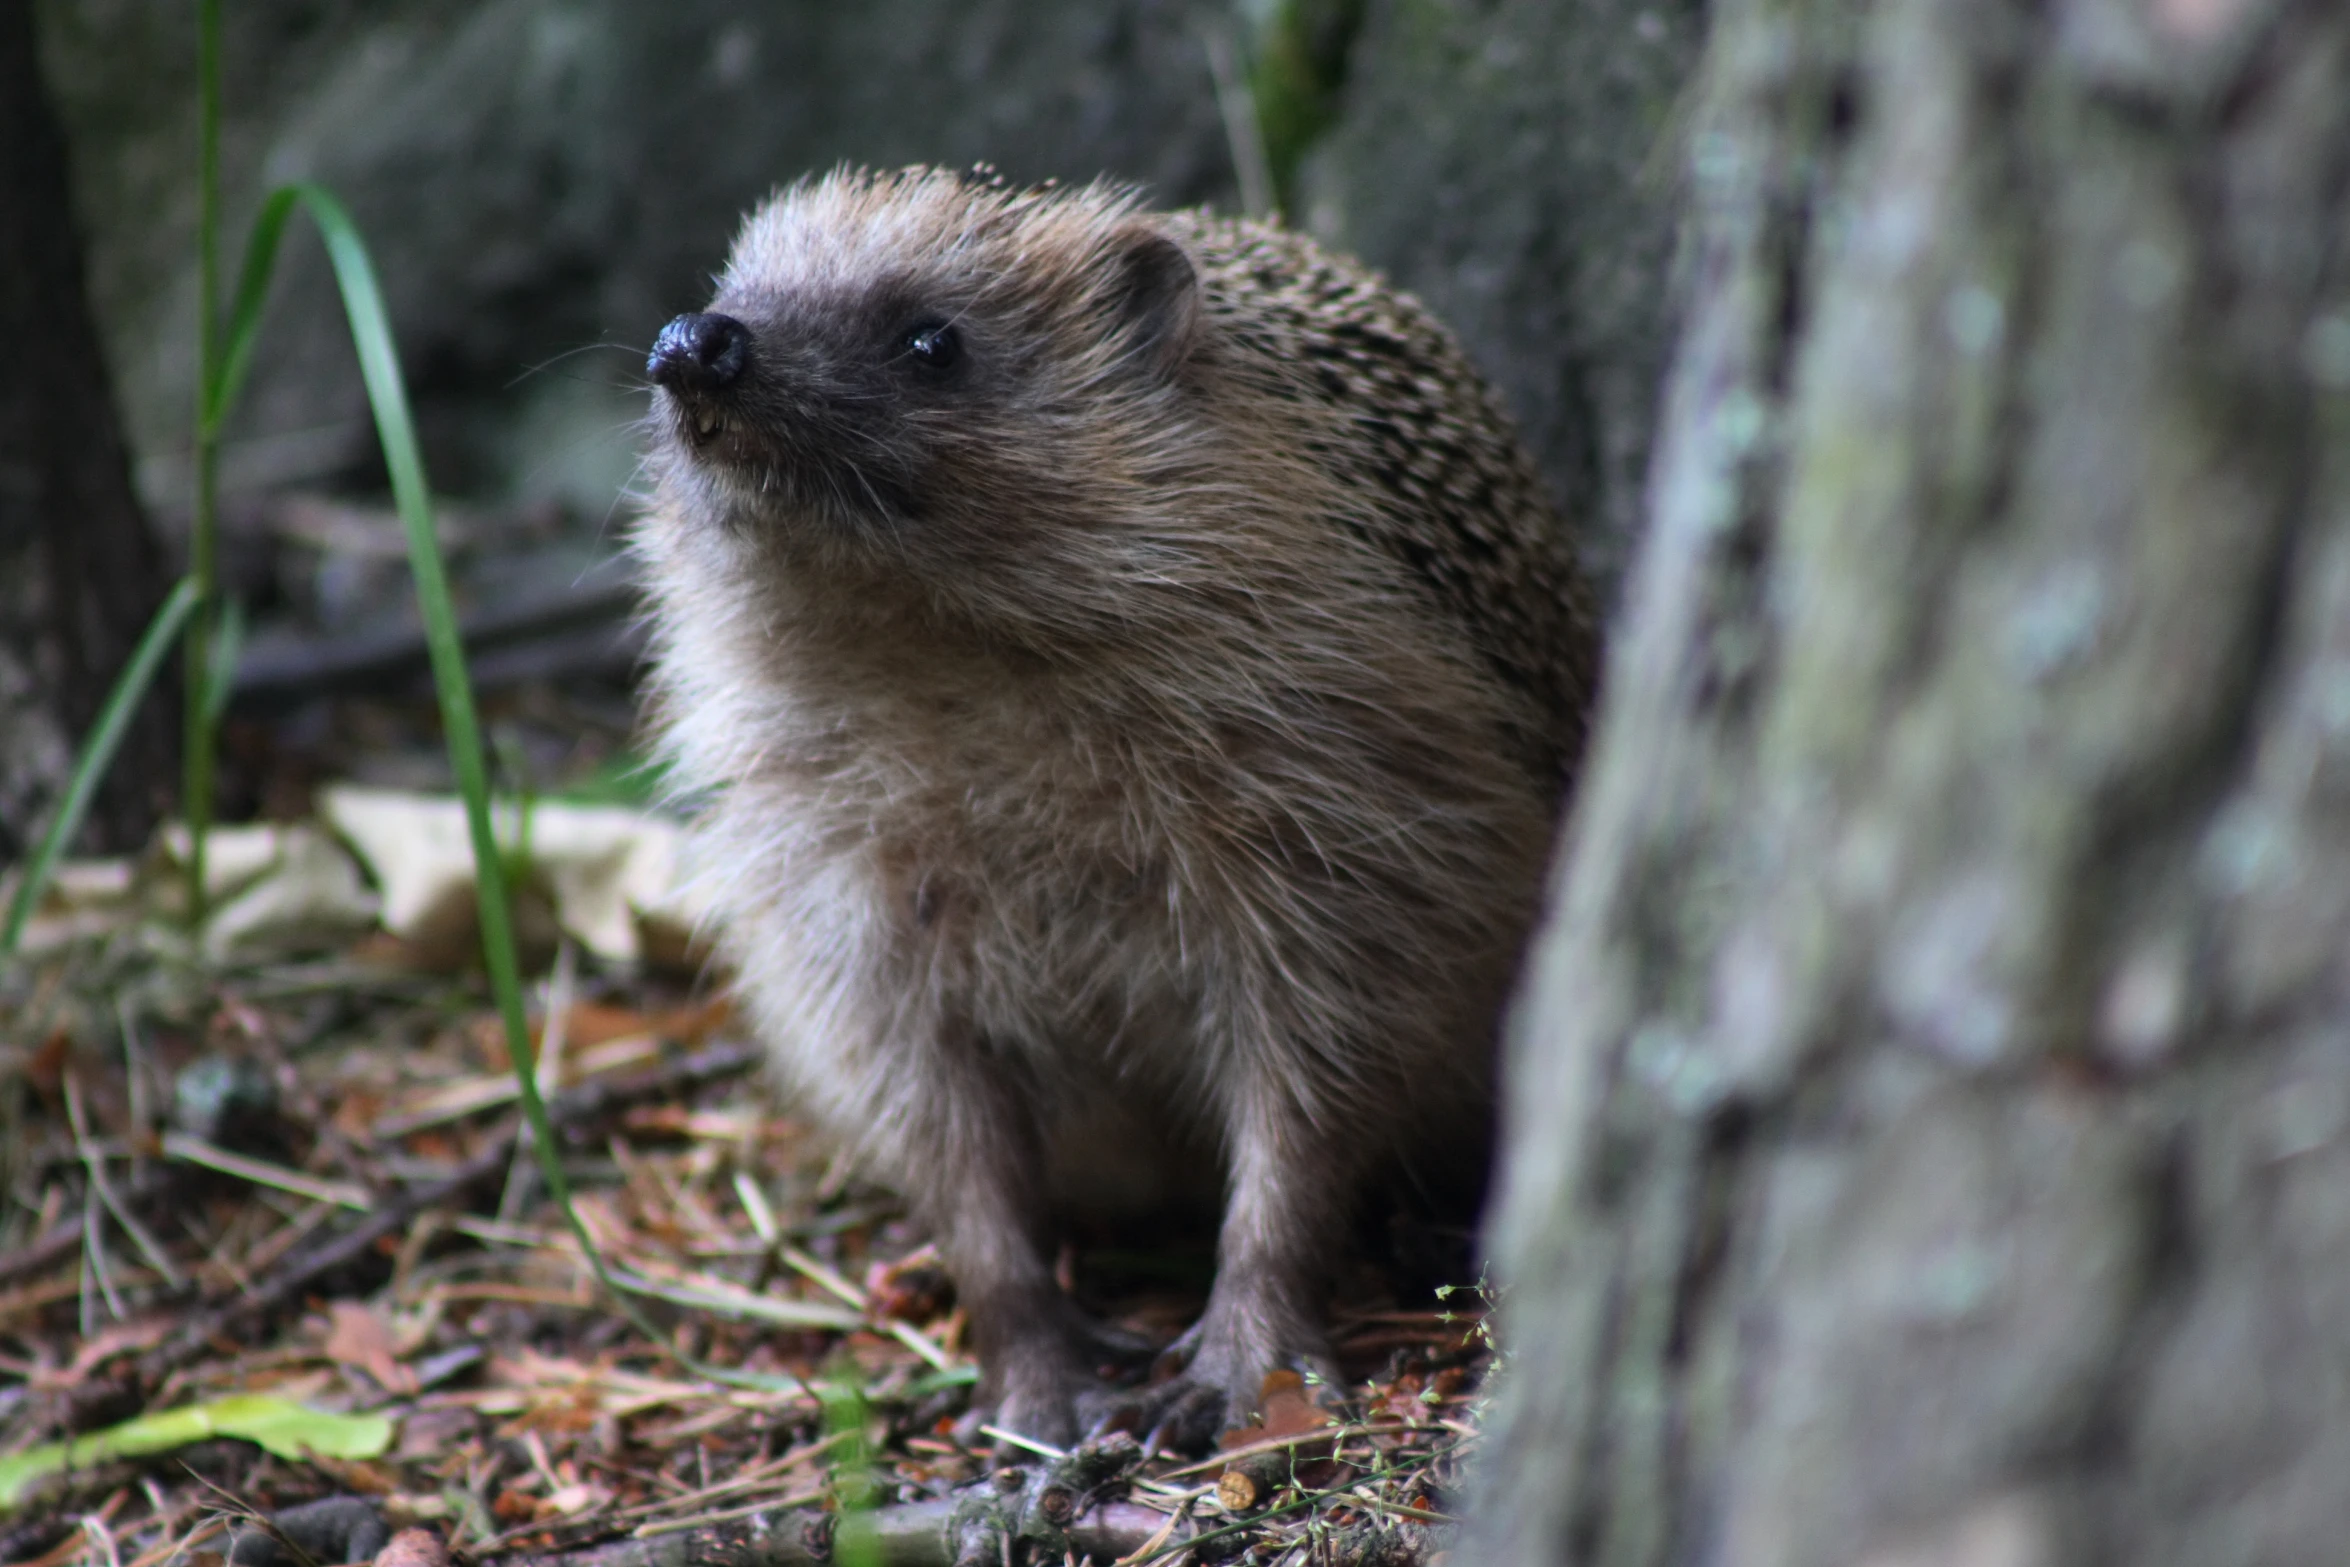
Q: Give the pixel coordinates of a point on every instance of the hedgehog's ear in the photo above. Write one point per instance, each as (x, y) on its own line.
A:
(1155, 295)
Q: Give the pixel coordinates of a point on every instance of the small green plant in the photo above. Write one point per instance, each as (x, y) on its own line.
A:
(854, 1490)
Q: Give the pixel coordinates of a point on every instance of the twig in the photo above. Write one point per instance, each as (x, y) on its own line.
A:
(909, 1534)
(708, 1294)
(203, 1530)
(94, 1265)
(809, 1268)
(63, 1238)
(95, 1164)
(921, 1344)
(646, 1531)
(1017, 1440)
(1381, 1504)
(195, 1150)
(98, 1531)
(1329, 1433)
(742, 1482)
(1150, 1547)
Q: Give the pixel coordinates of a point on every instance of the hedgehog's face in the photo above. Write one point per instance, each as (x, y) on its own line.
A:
(833, 406)
(941, 385)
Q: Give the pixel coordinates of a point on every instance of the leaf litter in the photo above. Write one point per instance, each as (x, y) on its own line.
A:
(280, 1174)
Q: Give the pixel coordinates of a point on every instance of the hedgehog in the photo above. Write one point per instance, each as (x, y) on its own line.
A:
(1127, 673)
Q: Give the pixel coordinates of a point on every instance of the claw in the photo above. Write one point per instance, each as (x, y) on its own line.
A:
(1117, 1412)
(1193, 1417)
(1174, 1416)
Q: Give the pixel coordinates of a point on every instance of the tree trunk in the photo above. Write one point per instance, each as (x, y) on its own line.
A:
(80, 574)
(1930, 1111)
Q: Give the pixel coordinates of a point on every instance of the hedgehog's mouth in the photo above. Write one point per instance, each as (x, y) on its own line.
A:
(710, 435)
(791, 458)
(698, 421)
(699, 359)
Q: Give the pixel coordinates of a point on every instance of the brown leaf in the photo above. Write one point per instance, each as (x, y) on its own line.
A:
(1288, 1408)
(413, 1548)
(355, 1116)
(359, 1336)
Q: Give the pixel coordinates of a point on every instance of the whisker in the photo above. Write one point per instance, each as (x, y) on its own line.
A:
(553, 360)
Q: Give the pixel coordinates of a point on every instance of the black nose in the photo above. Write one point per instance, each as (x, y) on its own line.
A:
(699, 353)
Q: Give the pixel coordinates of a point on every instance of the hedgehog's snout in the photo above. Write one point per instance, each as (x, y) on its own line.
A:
(696, 357)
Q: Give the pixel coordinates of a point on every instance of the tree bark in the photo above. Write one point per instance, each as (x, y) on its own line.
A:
(1930, 1112)
(80, 573)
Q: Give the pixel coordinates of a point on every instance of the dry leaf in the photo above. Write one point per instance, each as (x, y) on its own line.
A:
(1288, 1408)
(271, 888)
(359, 1336)
(616, 877)
(413, 1548)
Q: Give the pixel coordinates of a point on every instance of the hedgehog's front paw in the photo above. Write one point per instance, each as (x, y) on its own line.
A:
(1220, 1386)
(1049, 1383)
(1030, 1388)
(1185, 1415)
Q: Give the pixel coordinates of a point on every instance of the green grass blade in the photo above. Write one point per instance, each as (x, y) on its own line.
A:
(98, 748)
(207, 194)
(244, 317)
(379, 367)
(220, 669)
(196, 731)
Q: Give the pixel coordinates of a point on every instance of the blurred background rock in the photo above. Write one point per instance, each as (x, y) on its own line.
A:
(543, 182)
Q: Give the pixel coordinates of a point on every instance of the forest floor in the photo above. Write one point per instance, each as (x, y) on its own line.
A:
(272, 1236)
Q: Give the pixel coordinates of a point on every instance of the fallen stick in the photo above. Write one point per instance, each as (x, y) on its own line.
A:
(1066, 1508)
(910, 1534)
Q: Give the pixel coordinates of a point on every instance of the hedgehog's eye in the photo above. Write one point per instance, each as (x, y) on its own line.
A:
(934, 344)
